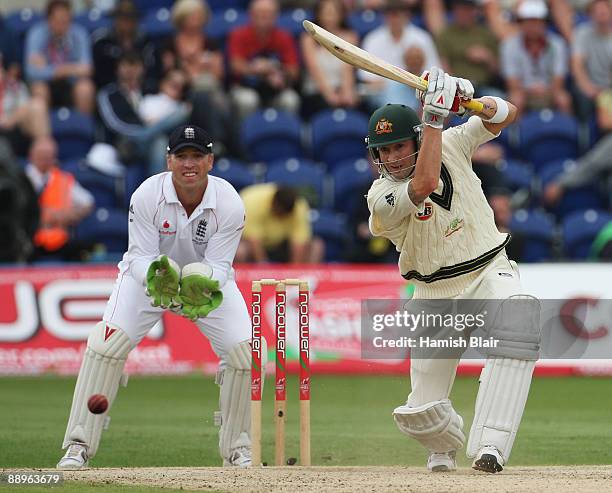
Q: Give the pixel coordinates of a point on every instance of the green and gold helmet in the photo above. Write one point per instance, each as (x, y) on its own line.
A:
(388, 125)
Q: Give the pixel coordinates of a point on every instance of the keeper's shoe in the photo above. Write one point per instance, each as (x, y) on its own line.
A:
(488, 459)
(76, 457)
(239, 457)
(442, 462)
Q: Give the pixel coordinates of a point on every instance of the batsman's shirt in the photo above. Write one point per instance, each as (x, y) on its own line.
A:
(445, 240)
(158, 224)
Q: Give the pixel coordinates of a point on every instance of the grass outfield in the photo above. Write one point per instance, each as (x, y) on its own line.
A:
(167, 421)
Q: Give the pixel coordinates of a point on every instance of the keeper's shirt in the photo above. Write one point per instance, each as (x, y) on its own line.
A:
(447, 238)
(158, 224)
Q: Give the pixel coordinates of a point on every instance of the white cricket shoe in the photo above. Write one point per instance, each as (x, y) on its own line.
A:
(442, 462)
(76, 457)
(488, 459)
(240, 457)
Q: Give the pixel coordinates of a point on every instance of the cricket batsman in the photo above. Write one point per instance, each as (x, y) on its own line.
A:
(184, 229)
(428, 201)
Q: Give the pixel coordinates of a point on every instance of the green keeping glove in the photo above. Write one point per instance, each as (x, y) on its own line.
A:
(163, 281)
(199, 294)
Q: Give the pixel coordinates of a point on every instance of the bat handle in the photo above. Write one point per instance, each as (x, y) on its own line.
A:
(473, 105)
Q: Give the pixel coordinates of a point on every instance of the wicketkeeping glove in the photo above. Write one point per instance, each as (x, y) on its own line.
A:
(163, 281)
(199, 294)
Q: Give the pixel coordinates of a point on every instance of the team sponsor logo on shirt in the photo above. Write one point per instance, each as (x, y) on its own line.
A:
(428, 211)
(390, 198)
(167, 229)
(454, 226)
(383, 126)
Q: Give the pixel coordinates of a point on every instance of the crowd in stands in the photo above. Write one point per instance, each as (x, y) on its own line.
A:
(90, 89)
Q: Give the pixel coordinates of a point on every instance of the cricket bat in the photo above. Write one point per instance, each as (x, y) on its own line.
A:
(355, 56)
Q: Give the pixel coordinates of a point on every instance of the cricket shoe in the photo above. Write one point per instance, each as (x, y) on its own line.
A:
(489, 460)
(76, 457)
(442, 462)
(240, 457)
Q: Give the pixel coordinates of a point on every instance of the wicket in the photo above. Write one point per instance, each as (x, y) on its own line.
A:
(280, 372)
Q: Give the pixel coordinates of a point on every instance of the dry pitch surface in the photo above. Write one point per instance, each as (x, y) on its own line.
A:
(358, 479)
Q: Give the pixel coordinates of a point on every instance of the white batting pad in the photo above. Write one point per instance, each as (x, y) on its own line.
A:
(235, 397)
(107, 350)
(436, 425)
(504, 386)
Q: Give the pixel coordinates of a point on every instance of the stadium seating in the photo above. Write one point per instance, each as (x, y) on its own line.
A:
(332, 228)
(538, 229)
(216, 5)
(338, 135)
(291, 20)
(364, 21)
(21, 20)
(74, 133)
(93, 19)
(224, 21)
(107, 226)
(148, 5)
(303, 174)
(107, 190)
(157, 24)
(545, 136)
(270, 134)
(134, 176)
(234, 171)
(587, 197)
(350, 179)
(517, 175)
(580, 229)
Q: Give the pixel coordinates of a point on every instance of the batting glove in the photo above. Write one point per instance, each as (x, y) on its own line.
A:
(465, 92)
(199, 294)
(438, 98)
(163, 281)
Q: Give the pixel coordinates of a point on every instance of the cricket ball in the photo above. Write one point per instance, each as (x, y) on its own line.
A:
(97, 404)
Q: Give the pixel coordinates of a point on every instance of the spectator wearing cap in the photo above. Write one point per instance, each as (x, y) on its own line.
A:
(591, 59)
(109, 44)
(468, 48)
(118, 107)
(534, 62)
(390, 42)
(201, 59)
(264, 62)
(277, 227)
(58, 60)
(328, 82)
(63, 203)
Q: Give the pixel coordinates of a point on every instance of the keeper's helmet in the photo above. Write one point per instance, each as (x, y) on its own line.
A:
(388, 125)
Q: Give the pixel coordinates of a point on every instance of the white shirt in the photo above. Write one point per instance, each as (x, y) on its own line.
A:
(158, 225)
(156, 107)
(379, 42)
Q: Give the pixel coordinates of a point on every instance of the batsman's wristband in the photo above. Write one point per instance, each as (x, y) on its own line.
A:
(502, 110)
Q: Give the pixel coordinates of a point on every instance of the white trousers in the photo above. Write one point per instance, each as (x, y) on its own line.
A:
(432, 379)
(130, 309)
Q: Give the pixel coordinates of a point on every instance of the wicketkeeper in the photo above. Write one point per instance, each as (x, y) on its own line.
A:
(428, 201)
(184, 229)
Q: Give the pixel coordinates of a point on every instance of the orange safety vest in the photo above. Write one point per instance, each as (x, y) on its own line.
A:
(57, 195)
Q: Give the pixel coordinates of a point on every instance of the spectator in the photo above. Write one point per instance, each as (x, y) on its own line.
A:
(264, 62)
(595, 164)
(155, 107)
(18, 208)
(58, 62)
(534, 62)
(592, 57)
(277, 227)
(191, 51)
(390, 43)
(63, 203)
(109, 44)
(328, 82)
(22, 117)
(118, 104)
(9, 49)
(468, 49)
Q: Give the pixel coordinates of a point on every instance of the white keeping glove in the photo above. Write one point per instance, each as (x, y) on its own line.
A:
(438, 98)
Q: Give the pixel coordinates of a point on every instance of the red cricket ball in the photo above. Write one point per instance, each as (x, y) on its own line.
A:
(97, 404)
